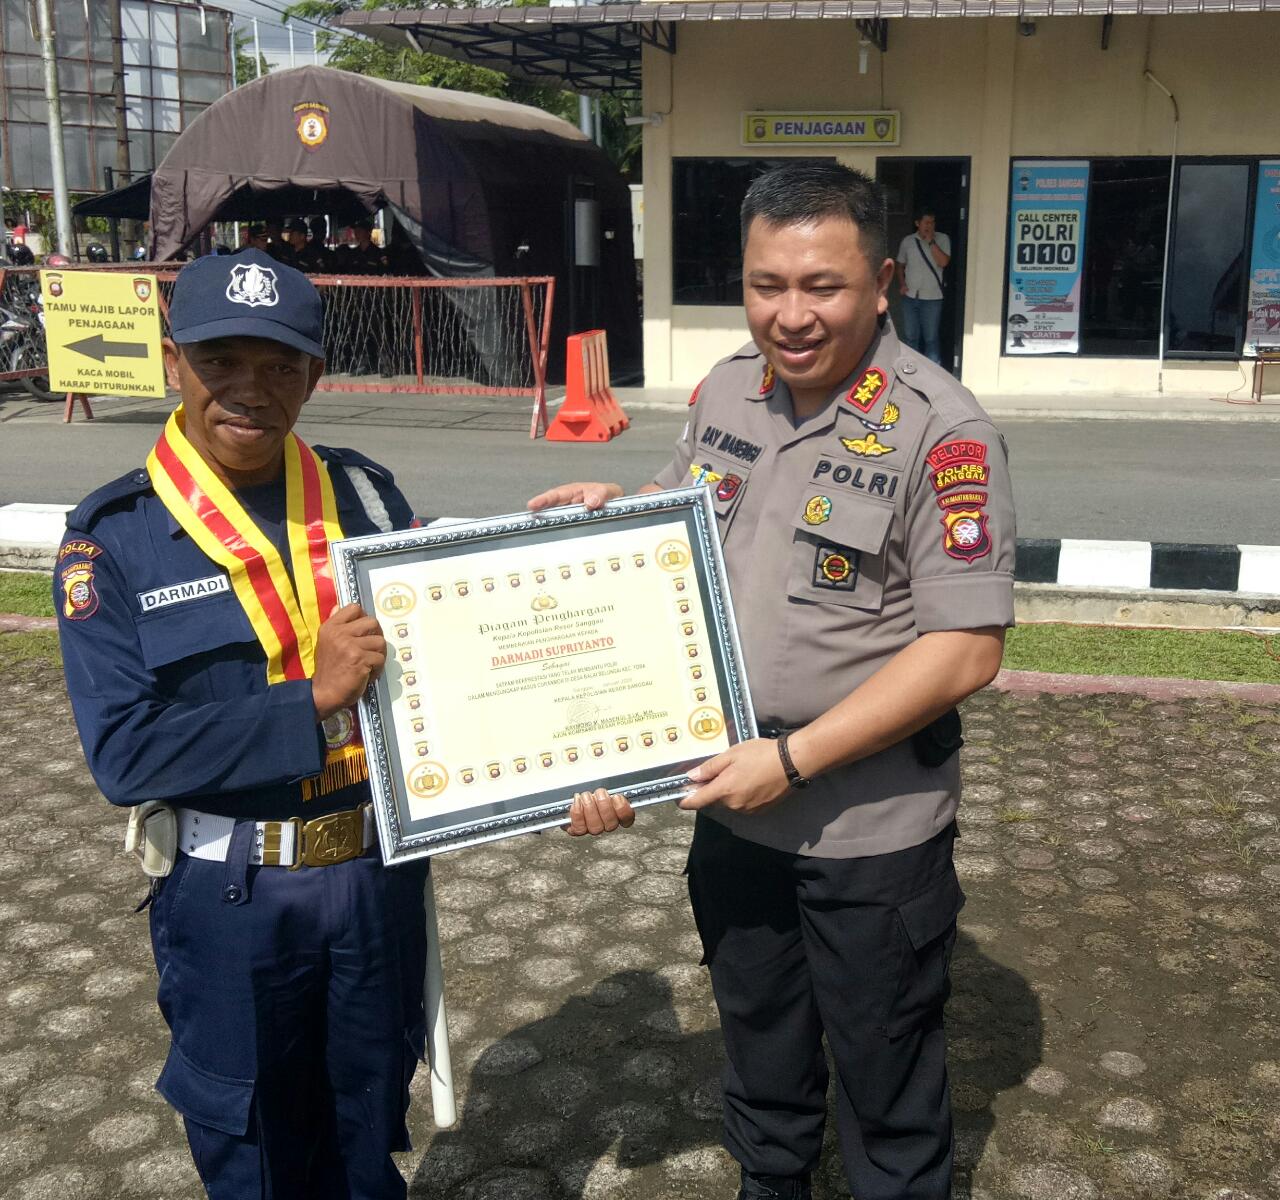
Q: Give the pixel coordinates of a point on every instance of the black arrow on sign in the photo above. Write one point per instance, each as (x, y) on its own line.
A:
(99, 349)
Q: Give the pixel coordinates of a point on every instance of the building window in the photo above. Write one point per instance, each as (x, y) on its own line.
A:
(1208, 268)
(1123, 275)
(1124, 256)
(706, 245)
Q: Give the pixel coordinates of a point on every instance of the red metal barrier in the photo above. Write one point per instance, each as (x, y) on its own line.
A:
(395, 334)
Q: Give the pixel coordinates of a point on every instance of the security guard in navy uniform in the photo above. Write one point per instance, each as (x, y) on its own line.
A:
(864, 505)
(213, 683)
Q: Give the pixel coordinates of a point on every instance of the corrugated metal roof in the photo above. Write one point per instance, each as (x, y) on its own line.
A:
(789, 10)
(597, 48)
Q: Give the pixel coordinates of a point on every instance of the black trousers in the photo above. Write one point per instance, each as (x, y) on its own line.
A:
(858, 949)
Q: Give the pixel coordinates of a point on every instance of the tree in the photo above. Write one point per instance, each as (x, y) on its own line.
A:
(365, 57)
(245, 69)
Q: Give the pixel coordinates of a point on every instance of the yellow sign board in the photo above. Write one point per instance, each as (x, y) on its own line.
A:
(820, 128)
(103, 333)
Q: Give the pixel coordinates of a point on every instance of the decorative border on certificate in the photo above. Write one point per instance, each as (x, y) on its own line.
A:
(535, 655)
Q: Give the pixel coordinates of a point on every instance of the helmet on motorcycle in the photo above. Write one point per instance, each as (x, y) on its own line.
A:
(96, 252)
(21, 256)
(57, 260)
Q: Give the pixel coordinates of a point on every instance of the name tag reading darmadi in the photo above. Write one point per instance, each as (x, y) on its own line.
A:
(535, 656)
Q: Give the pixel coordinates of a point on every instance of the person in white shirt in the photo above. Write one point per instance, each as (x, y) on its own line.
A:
(923, 256)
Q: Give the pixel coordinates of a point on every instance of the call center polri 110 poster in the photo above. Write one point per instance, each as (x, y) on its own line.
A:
(1047, 207)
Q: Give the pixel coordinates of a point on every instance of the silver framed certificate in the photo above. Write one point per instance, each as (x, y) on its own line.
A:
(532, 656)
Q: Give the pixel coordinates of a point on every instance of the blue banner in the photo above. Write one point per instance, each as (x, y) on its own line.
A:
(1046, 248)
(1263, 321)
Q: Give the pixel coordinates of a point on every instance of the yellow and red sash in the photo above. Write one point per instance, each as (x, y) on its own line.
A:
(285, 614)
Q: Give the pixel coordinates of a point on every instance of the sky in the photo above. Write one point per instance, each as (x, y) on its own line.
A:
(273, 36)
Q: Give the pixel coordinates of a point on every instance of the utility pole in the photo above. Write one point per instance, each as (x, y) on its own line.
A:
(123, 171)
(257, 52)
(585, 122)
(292, 61)
(61, 203)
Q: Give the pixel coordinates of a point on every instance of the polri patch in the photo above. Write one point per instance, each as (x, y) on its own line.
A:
(963, 500)
(79, 596)
(854, 478)
(966, 536)
(835, 567)
(866, 391)
(87, 549)
(958, 463)
(694, 398)
(181, 593)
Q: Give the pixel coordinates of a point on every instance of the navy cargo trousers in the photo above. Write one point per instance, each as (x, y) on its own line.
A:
(295, 1003)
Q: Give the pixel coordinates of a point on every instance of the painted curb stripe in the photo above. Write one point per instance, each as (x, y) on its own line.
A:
(1174, 565)
(1260, 569)
(1037, 560)
(1104, 564)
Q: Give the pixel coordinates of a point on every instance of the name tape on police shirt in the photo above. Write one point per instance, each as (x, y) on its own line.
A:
(179, 593)
(103, 333)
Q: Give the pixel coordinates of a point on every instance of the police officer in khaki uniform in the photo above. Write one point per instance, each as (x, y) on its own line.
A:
(864, 505)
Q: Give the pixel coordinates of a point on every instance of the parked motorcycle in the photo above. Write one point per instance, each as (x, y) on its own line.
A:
(22, 344)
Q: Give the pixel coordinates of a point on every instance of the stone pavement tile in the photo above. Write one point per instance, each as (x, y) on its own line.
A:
(1115, 1017)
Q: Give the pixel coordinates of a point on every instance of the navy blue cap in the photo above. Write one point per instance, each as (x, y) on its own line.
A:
(249, 294)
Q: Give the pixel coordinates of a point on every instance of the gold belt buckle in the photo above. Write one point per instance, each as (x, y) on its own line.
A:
(326, 841)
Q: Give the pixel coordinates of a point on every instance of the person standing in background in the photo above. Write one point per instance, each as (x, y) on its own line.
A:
(923, 256)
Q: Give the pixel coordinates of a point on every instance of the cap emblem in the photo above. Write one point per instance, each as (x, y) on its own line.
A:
(253, 285)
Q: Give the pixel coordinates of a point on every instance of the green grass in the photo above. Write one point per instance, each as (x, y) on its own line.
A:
(1170, 653)
(29, 593)
(22, 651)
(1058, 649)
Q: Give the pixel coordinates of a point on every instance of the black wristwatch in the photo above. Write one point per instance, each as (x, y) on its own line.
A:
(794, 778)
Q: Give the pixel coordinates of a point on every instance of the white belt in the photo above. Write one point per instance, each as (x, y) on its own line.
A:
(320, 842)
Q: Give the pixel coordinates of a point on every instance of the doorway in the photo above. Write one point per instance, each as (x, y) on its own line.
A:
(941, 184)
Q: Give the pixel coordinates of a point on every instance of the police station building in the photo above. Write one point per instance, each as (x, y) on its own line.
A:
(1107, 171)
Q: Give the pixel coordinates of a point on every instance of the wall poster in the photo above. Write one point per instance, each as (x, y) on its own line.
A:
(1047, 205)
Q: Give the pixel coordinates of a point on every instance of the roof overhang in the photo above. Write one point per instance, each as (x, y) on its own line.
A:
(597, 48)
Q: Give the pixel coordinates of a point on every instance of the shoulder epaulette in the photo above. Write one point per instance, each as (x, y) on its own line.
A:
(346, 457)
(750, 350)
(87, 512)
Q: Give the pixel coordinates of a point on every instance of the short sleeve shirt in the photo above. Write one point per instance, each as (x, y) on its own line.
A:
(885, 516)
(922, 284)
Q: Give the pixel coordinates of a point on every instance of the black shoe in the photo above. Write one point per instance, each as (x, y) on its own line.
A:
(774, 1187)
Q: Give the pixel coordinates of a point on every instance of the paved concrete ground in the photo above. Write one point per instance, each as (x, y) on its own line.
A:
(1115, 1027)
(1183, 478)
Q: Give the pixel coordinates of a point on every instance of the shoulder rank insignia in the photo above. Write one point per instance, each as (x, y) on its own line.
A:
(867, 447)
(966, 535)
(866, 391)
